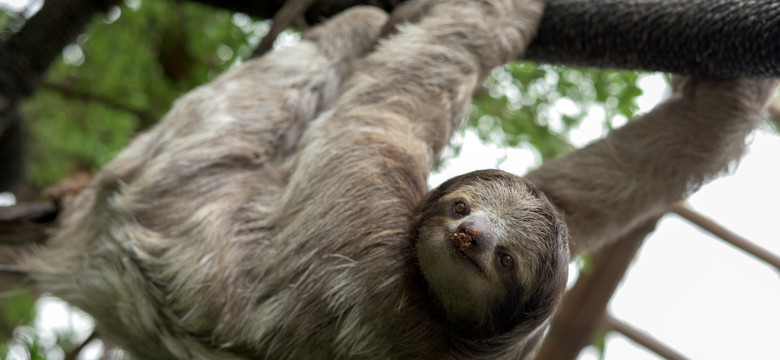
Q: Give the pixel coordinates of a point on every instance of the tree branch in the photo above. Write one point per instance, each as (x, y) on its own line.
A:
(26, 223)
(291, 10)
(12, 270)
(774, 114)
(74, 353)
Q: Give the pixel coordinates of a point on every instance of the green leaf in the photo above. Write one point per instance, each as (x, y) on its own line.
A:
(33, 351)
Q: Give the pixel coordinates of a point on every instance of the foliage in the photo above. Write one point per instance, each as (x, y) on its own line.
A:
(34, 353)
(521, 100)
(16, 309)
(121, 75)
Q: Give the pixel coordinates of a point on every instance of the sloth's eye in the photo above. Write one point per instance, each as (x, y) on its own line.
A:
(461, 208)
(506, 261)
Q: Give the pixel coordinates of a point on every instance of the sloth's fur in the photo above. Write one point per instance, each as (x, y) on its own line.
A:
(638, 171)
(243, 227)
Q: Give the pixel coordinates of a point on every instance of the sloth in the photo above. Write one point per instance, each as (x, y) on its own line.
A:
(282, 210)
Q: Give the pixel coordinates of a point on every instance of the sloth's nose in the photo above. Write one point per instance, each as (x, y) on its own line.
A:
(482, 237)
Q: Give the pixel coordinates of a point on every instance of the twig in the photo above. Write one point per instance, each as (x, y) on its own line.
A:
(641, 338)
(774, 114)
(27, 211)
(12, 270)
(291, 10)
(74, 353)
(409, 11)
(26, 223)
(724, 234)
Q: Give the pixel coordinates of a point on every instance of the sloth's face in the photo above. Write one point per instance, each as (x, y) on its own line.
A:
(483, 248)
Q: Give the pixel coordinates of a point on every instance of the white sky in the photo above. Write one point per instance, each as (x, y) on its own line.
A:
(32, 6)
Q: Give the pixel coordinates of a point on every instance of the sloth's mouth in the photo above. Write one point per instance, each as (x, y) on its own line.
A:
(464, 243)
(467, 258)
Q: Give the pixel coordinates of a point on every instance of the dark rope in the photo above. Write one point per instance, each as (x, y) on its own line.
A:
(713, 38)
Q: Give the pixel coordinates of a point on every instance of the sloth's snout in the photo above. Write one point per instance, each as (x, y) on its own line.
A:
(475, 236)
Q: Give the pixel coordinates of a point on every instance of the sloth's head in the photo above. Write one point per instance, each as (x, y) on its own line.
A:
(494, 254)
